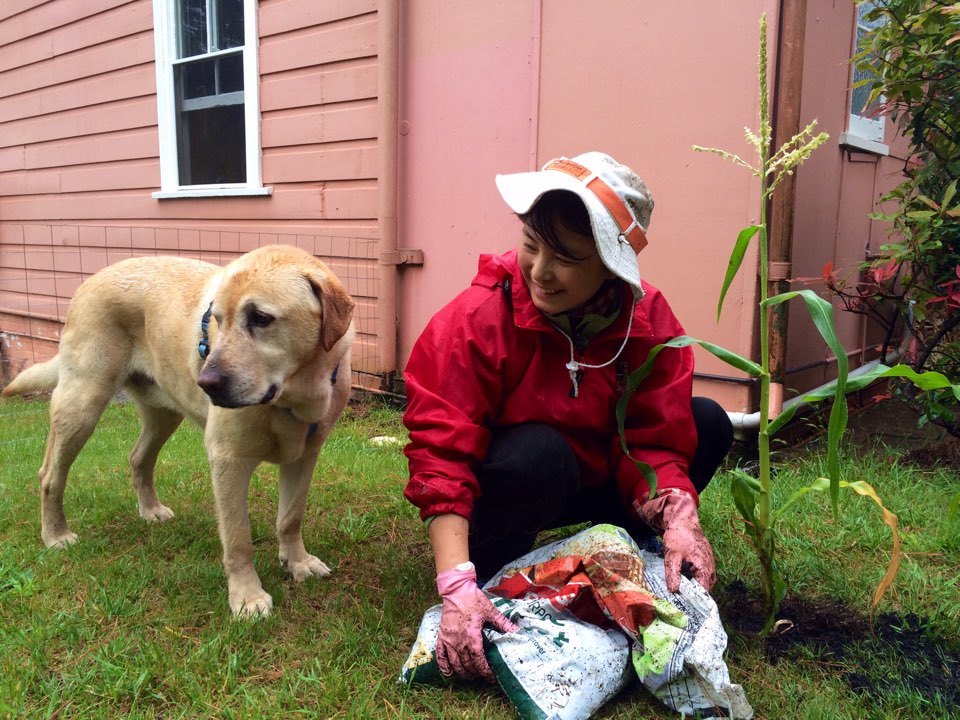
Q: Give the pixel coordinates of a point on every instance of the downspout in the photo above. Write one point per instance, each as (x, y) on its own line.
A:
(787, 93)
(388, 74)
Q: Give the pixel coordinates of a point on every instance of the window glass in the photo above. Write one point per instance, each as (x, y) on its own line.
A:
(193, 28)
(211, 143)
(205, 112)
(865, 120)
(229, 24)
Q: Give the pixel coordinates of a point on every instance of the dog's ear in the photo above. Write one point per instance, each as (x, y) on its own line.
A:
(336, 308)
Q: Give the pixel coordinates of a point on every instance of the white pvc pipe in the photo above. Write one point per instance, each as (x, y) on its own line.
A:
(743, 422)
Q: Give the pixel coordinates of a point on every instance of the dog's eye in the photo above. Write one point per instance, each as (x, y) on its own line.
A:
(258, 318)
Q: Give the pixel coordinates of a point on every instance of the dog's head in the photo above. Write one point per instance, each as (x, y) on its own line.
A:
(277, 312)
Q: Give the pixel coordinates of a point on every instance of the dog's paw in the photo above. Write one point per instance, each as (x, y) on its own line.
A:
(156, 514)
(59, 541)
(309, 566)
(255, 605)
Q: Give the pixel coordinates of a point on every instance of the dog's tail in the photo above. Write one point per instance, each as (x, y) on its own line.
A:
(36, 378)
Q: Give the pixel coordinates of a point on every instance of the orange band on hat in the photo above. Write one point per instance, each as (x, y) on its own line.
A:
(629, 228)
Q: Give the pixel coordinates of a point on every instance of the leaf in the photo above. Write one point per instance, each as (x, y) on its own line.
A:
(954, 510)
(820, 484)
(821, 312)
(826, 392)
(640, 374)
(926, 381)
(744, 489)
(736, 259)
(731, 358)
(949, 193)
(891, 521)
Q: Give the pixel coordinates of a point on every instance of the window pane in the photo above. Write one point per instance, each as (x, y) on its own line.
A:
(212, 146)
(193, 28)
(230, 72)
(229, 24)
(197, 79)
(205, 78)
(858, 98)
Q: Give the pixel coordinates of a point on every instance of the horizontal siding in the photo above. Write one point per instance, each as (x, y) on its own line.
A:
(340, 82)
(302, 201)
(133, 144)
(117, 116)
(320, 125)
(115, 23)
(79, 152)
(285, 16)
(36, 18)
(307, 48)
(78, 123)
(9, 8)
(55, 73)
(108, 87)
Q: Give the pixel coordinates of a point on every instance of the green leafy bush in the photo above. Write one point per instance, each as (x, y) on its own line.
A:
(910, 63)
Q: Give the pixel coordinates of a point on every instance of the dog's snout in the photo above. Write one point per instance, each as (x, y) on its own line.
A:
(213, 382)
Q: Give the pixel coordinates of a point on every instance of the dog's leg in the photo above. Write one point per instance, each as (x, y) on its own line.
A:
(158, 425)
(231, 482)
(74, 412)
(294, 486)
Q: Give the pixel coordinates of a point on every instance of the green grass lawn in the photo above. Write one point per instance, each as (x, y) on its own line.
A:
(133, 620)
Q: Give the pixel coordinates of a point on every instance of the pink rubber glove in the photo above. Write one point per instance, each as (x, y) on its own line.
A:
(674, 516)
(466, 609)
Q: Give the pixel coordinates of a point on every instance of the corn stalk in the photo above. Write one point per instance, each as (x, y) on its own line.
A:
(754, 496)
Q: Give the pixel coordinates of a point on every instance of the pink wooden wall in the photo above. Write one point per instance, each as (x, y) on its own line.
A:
(505, 85)
(79, 155)
(498, 86)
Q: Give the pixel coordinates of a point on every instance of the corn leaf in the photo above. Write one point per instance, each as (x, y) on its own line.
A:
(929, 380)
(736, 259)
(889, 519)
(821, 312)
(640, 374)
(745, 498)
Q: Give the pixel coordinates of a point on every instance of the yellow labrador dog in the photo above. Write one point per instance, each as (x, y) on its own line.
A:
(257, 353)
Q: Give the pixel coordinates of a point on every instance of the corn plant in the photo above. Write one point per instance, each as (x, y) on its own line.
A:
(753, 496)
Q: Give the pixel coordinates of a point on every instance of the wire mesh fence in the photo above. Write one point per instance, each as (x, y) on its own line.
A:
(41, 267)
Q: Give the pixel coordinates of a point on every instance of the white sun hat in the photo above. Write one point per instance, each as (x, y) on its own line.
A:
(617, 200)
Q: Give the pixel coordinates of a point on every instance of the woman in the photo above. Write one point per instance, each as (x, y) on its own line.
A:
(512, 390)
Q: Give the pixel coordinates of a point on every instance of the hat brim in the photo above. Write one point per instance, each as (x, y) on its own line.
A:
(521, 191)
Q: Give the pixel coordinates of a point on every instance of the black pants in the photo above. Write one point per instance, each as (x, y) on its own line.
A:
(531, 482)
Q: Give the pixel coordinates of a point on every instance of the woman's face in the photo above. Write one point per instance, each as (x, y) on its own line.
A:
(559, 283)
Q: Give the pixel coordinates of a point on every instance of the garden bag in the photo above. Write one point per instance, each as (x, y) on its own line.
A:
(594, 609)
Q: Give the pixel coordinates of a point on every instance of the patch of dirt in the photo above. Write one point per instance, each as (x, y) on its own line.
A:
(843, 639)
(886, 424)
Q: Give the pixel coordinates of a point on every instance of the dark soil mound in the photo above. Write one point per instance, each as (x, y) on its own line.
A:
(837, 635)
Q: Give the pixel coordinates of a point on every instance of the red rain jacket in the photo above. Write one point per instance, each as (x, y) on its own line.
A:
(491, 359)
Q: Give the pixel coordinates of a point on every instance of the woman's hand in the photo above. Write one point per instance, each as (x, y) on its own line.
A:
(466, 609)
(674, 514)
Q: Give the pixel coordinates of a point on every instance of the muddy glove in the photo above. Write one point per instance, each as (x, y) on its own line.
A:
(674, 515)
(466, 609)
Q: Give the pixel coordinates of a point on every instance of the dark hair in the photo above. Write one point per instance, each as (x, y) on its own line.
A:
(557, 206)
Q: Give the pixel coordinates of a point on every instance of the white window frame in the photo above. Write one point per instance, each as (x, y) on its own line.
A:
(863, 132)
(165, 42)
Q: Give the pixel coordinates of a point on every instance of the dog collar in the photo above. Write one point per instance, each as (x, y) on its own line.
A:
(204, 347)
